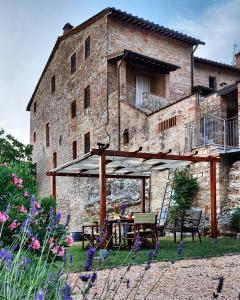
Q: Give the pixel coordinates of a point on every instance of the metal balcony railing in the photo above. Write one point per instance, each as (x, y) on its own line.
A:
(211, 130)
(142, 100)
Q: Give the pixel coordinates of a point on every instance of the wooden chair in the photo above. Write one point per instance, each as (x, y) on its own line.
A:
(189, 224)
(90, 230)
(146, 227)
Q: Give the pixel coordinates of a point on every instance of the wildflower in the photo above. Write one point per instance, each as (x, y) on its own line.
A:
(61, 251)
(26, 194)
(98, 239)
(3, 217)
(6, 256)
(35, 244)
(93, 277)
(8, 209)
(71, 259)
(123, 208)
(58, 217)
(24, 262)
(69, 240)
(37, 205)
(85, 277)
(137, 244)
(13, 225)
(22, 209)
(33, 212)
(39, 296)
(51, 242)
(66, 292)
(90, 254)
(55, 249)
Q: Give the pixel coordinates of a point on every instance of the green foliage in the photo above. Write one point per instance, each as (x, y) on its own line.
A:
(184, 189)
(11, 150)
(47, 203)
(235, 220)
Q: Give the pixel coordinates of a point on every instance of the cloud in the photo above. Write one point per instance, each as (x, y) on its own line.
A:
(218, 27)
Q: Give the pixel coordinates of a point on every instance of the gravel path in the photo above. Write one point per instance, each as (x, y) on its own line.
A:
(185, 279)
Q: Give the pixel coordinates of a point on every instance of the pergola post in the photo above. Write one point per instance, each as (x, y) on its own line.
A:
(143, 195)
(213, 199)
(54, 189)
(102, 178)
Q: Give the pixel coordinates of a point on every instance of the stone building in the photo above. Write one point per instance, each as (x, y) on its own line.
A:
(122, 80)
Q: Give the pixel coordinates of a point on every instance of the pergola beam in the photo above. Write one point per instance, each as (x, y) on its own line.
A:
(103, 188)
(156, 156)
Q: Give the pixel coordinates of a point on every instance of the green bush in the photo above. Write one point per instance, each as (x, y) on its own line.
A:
(235, 220)
(184, 188)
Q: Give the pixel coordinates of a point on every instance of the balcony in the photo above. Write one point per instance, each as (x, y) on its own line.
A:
(211, 130)
(144, 101)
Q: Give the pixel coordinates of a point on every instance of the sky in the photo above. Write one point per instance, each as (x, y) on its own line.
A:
(29, 29)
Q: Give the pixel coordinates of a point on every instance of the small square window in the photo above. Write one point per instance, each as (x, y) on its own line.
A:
(87, 47)
(53, 84)
(73, 109)
(87, 142)
(125, 137)
(74, 149)
(212, 82)
(73, 63)
(87, 97)
(34, 107)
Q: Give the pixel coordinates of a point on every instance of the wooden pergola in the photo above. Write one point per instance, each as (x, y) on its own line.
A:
(105, 163)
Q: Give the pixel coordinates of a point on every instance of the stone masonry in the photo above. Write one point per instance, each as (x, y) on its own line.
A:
(109, 34)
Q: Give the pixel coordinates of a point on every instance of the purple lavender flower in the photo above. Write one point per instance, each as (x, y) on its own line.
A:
(6, 256)
(89, 261)
(137, 243)
(66, 292)
(98, 239)
(8, 208)
(58, 217)
(24, 262)
(71, 259)
(85, 277)
(93, 277)
(33, 200)
(123, 208)
(39, 296)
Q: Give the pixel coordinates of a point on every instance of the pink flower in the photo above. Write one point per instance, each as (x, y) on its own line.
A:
(3, 217)
(19, 186)
(61, 252)
(22, 209)
(26, 194)
(55, 249)
(69, 240)
(51, 242)
(37, 205)
(35, 244)
(13, 225)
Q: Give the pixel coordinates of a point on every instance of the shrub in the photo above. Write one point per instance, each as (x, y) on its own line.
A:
(235, 220)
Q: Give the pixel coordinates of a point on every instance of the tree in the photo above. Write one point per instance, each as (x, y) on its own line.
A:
(11, 150)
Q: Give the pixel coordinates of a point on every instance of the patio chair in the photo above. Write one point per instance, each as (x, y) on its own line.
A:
(90, 230)
(189, 224)
(145, 226)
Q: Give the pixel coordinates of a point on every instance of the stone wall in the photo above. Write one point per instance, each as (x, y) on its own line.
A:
(202, 73)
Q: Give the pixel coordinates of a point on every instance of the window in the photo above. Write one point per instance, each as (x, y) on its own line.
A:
(87, 97)
(34, 107)
(34, 136)
(47, 135)
(73, 63)
(54, 160)
(74, 149)
(73, 109)
(53, 84)
(125, 137)
(212, 82)
(87, 47)
(168, 123)
(87, 142)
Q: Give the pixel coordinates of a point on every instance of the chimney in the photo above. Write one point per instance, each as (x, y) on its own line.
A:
(237, 60)
(67, 27)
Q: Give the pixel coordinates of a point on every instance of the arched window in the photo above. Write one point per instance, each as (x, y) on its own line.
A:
(125, 137)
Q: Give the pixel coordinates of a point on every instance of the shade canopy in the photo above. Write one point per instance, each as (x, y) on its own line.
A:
(117, 166)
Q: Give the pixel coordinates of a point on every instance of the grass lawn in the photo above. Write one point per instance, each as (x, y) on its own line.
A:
(207, 248)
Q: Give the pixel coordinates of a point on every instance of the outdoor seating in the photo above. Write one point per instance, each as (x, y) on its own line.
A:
(90, 230)
(145, 226)
(188, 224)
